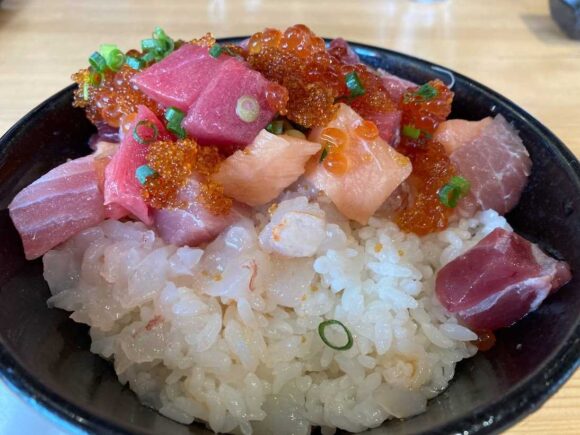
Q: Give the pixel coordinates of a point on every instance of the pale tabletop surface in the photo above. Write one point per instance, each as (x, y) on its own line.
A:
(513, 47)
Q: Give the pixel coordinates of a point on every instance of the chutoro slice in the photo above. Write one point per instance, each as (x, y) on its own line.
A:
(499, 281)
(193, 224)
(58, 205)
(493, 158)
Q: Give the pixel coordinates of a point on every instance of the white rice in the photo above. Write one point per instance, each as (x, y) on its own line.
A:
(229, 334)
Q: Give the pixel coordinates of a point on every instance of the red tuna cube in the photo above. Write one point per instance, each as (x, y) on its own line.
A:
(180, 78)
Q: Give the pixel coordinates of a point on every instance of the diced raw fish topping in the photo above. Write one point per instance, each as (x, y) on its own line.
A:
(340, 49)
(395, 86)
(454, 133)
(193, 224)
(260, 172)
(58, 205)
(213, 118)
(496, 163)
(174, 162)
(179, 79)
(499, 281)
(369, 170)
(121, 185)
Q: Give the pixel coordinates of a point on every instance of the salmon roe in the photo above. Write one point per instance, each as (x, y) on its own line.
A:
(334, 139)
(174, 162)
(112, 98)
(336, 163)
(485, 340)
(298, 60)
(367, 130)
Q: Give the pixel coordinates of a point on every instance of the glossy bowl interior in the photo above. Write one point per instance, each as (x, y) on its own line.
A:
(45, 356)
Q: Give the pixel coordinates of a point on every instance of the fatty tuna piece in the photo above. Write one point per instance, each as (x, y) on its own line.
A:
(374, 171)
(499, 281)
(180, 78)
(121, 186)
(455, 133)
(214, 118)
(339, 48)
(389, 125)
(395, 85)
(260, 172)
(192, 225)
(493, 159)
(59, 204)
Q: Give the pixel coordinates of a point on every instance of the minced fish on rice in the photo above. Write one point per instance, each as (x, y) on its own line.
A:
(229, 334)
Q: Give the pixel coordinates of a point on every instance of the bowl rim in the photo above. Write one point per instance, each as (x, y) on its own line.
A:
(521, 401)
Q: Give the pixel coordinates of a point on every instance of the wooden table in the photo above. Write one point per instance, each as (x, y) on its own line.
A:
(513, 47)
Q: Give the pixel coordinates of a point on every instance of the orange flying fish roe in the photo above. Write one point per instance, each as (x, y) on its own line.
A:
(113, 98)
(431, 171)
(176, 161)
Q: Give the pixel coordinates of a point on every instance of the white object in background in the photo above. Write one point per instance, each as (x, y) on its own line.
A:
(18, 417)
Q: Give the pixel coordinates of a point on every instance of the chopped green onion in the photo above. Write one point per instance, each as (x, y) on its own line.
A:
(247, 108)
(323, 155)
(325, 324)
(139, 137)
(151, 44)
(410, 131)
(461, 183)
(115, 60)
(215, 50)
(95, 78)
(113, 56)
(275, 127)
(157, 47)
(134, 62)
(457, 188)
(168, 42)
(85, 91)
(98, 62)
(354, 85)
(426, 92)
(295, 133)
(143, 172)
(148, 57)
(174, 118)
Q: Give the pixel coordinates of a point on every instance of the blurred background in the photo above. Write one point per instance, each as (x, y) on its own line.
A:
(514, 47)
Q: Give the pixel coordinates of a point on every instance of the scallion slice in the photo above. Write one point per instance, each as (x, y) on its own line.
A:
(134, 62)
(98, 62)
(323, 155)
(215, 50)
(453, 191)
(141, 136)
(143, 172)
(247, 108)
(321, 331)
(275, 127)
(426, 92)
(85, 91)
(174, 117)
(354, 85)
(410, 131)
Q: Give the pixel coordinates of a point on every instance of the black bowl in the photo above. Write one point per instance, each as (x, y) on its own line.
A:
(45, 356)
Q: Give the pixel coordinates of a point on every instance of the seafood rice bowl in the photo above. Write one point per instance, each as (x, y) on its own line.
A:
(270, 237)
